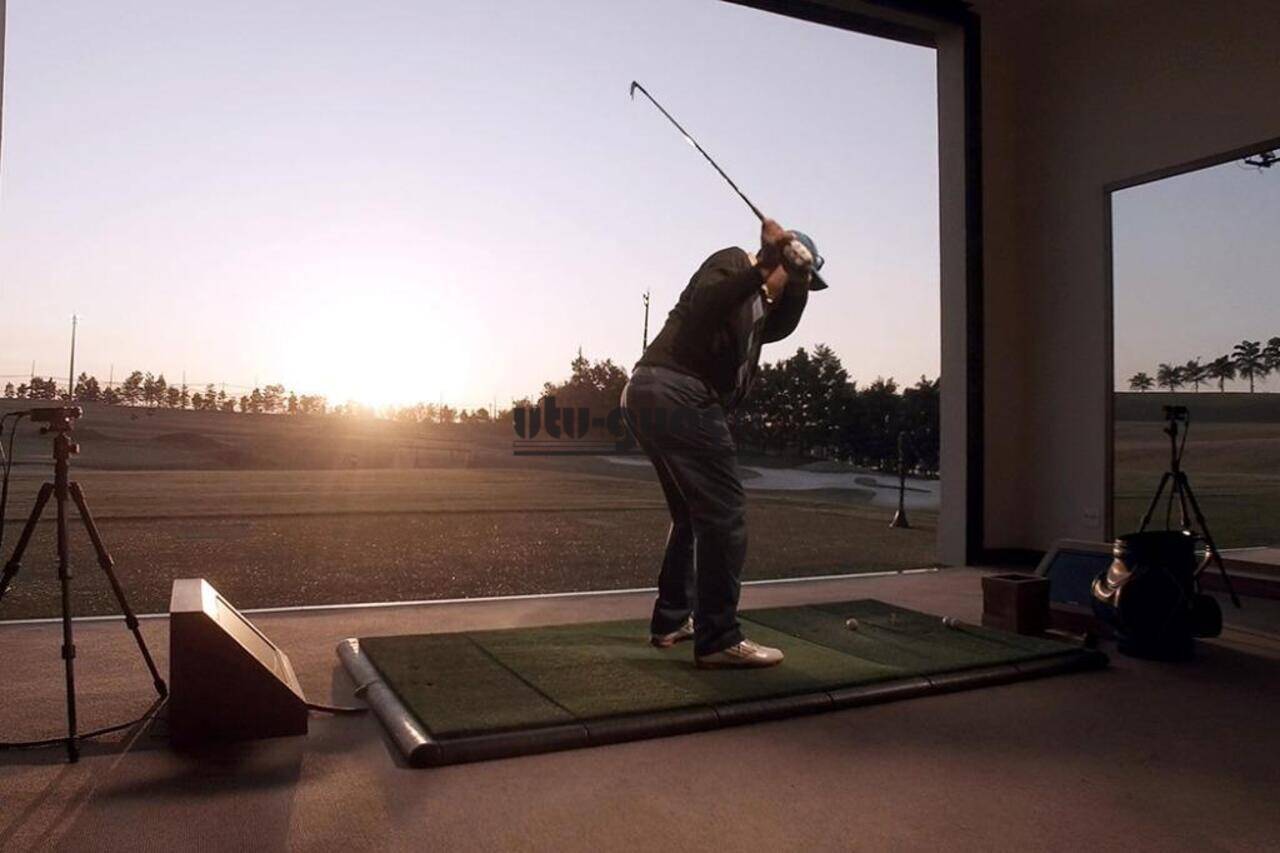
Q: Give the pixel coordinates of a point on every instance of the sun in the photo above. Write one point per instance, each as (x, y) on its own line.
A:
(374, 351)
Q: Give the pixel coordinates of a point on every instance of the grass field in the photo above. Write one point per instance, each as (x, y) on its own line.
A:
(468, 520)
(1232, 459)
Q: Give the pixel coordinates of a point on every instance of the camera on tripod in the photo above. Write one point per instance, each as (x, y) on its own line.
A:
(57, 418)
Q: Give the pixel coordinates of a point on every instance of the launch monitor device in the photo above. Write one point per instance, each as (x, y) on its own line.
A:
(227, 680)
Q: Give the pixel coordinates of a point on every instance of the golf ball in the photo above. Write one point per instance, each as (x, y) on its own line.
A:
(851, 624)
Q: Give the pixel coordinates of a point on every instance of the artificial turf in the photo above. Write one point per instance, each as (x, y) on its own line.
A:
(482, 683)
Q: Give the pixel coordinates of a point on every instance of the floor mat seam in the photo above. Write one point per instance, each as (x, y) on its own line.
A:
(522, 679)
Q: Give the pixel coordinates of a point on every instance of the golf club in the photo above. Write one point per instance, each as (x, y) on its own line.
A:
(821, 283)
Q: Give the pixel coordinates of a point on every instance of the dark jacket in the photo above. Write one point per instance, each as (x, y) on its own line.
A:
(719, 323)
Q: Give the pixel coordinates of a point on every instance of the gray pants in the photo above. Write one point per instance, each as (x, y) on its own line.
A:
(681, 427)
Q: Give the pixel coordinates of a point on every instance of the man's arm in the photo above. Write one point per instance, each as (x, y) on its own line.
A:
(785, 316)
(722, 282)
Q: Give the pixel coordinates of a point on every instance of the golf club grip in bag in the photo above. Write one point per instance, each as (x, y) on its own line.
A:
(1151, 596)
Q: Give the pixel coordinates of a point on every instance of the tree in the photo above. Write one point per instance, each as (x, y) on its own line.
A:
(87, 389)
(131, 390)
(42, 389)
(1249, 361)
(154, 389)
(921, 410)
(592, 389)
(173, 397)
(759, 419)
(1169, 376)
(273, 398)
(9, 391)
(293, 403)
(1141, 382)
(1272, 355)
(184, 397)
(824, 398)
(23, 391)
(870, 424)
(1194, 372)
(111, 397)
(1222, 369)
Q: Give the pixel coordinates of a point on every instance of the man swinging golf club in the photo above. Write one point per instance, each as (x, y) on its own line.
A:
(699, 367)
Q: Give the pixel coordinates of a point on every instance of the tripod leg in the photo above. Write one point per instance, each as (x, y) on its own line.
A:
(1212, 555)
(1155, 501)
(68, 639)
(108, 568)
(12, 567)
(1180, 486)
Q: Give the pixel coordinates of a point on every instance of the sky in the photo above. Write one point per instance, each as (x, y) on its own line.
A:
(399, 200)
(1197, 268)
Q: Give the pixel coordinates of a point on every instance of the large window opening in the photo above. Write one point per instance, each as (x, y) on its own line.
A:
(1197, 325)
(319, 260)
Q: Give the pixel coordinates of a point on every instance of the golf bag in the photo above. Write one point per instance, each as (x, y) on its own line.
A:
(1151, 596)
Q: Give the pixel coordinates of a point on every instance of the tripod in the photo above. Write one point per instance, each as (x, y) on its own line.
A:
(60, 425)
(1185, 497)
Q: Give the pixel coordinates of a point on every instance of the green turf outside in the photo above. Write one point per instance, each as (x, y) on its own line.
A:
(483, 682)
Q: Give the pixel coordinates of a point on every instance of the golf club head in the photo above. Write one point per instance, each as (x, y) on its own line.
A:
(634, 86)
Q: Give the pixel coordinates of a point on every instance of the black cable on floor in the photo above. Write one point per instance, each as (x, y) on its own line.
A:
(60, 741)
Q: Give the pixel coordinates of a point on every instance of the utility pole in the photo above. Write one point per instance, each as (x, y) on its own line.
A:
(111, 376)
(71, 374)
(644, 346)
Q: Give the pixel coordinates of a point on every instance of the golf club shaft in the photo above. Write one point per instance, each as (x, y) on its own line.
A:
(694, 143)
(634, 86)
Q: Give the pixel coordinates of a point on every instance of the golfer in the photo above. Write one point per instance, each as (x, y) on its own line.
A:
(698, 368)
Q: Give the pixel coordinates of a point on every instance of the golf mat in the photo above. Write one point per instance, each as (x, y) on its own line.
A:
(450, 698)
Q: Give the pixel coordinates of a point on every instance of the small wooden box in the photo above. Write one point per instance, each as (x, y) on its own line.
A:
(1016, 602)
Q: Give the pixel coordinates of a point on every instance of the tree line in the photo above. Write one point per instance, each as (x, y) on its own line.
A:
(809, 406)
(1248, 360)
(805, 405)
(153, 391)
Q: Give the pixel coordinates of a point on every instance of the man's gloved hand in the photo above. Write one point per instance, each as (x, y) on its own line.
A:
(779, 248)
(798, 260)
(769, 260)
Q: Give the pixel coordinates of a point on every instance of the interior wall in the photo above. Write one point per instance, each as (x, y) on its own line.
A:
(1076, 96)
